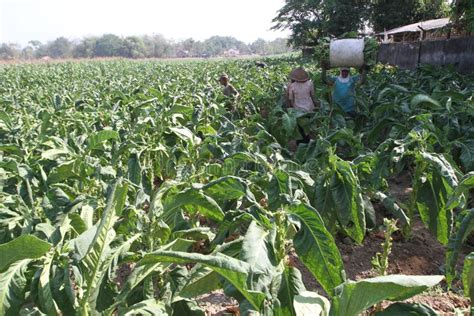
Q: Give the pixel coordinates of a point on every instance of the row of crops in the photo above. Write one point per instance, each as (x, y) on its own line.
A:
(139, 164)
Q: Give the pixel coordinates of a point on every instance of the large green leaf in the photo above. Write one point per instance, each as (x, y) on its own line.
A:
(187, 307)
(430, 203)
(96, 255)
(149, 307)
(430, 195)
(185, 134)
(53, 154)
(233, 270)
(311, 304)
(393, 207)
(443, 166)
(279, 185)
(62, 172)
(458, 197)
(142, 271)
(201, 280)
(316, 247)
(467, 155)
(464, 230)
(348, 201)
(422, 98)
(13, 287)
(407, 309)
(226, 188)
(96, 140)
(291, 285)
(324, 202)
(254, 249)
(194, 200)
(468, 276)
(134, 171)
(46, 299)
(355, 297)
(23, 247)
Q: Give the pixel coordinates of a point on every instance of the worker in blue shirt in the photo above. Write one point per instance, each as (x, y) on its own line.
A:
(343, 91)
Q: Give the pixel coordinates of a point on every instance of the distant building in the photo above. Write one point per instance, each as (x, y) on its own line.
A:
(183, 54)
(232, 52)
(426, 30)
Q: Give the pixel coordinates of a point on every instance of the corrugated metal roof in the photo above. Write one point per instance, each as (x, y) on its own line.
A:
(415, 27)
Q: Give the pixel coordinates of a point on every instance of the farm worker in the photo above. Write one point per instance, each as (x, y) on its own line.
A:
(301, 91)
(301, 96)
(287, 93)
(343, 91)
(229, 89)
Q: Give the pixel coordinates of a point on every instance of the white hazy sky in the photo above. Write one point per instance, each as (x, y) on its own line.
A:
(45, 20)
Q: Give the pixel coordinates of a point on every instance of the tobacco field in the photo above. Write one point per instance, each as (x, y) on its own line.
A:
(146, 165)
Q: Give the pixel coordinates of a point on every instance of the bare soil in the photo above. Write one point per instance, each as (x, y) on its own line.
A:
(218, 304)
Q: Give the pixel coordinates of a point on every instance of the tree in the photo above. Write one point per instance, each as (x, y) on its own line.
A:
(387, 14)
(216, 45)
(85, 48)
(309, 20)
(158, 46)
(259, 47)
(133, 47)
(108, 45)
(27, 53)
(60, 48)
(9, 51)
(462, 15)
(346, 16)
(39, 50)
(277, 46)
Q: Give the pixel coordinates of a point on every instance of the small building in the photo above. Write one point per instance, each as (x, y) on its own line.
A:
(232, 52)
(426, 30)
(183, 54)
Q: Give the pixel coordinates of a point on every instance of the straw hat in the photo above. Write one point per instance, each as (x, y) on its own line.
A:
(224, 76)
(299, 75)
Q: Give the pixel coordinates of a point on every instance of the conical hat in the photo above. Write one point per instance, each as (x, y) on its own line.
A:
(299, 74)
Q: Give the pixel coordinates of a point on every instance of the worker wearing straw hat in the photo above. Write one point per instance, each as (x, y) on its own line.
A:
(301, 91)
(301, 96)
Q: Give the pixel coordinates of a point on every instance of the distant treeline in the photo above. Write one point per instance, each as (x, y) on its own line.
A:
(154, 46)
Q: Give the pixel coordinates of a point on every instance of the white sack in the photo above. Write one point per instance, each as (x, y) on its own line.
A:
(346, 53)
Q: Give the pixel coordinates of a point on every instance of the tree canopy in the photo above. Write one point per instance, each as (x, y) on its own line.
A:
(463, 15)
(387, 14)
(310, 20)
(155, 46)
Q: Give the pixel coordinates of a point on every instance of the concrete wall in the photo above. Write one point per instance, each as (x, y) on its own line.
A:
(458, 52)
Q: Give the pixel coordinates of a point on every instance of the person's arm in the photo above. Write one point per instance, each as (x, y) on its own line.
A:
(313, 96)
(363, 76)
(234, 92)
(291, 97)
(324, 78)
